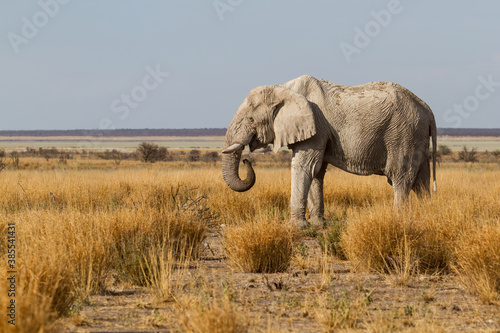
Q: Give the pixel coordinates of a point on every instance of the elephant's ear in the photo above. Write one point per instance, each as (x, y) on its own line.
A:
(293, 119)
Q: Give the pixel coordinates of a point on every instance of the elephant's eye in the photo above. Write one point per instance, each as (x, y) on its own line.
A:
(250, 119)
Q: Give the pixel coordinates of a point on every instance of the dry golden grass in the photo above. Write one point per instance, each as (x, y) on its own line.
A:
(478, 262)
(75, 227)
(44, 289)
(80, 226)
(261, 246)
(429, 235)
(388, 240)
(217, 315)
(148, 246)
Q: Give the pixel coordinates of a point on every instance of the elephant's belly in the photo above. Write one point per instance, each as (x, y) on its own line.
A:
(358, 166)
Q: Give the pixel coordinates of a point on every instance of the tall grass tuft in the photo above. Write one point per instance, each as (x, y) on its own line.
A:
(147, 248)
(399, 241)
(478, 262)
(41, 297)
(162, 271)
(44, 283)
(263, 246)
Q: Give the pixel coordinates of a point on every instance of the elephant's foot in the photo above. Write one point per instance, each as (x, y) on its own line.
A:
(317, 221)
(301, 223)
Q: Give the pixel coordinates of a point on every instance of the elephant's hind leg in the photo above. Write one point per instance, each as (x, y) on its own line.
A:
(422, 185)
(315, 201)
(414, 176)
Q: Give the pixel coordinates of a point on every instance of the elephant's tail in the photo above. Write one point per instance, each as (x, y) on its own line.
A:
(433, 133)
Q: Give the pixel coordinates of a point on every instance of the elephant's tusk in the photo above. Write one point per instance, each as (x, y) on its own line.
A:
(232, 148)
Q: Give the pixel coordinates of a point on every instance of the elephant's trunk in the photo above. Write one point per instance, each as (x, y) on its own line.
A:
(230, 165)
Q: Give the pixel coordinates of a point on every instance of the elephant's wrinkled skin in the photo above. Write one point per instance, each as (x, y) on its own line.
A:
(375, 128)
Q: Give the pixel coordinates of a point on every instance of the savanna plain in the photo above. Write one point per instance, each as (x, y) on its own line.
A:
(122, 245)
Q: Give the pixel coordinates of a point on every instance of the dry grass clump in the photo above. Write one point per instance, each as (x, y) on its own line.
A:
(44, 283)
(218, 315)
(263, 246)
(385, 239)
(89, 248)
(44, 291)
(162, 270)
(478, 262)
(148, 248)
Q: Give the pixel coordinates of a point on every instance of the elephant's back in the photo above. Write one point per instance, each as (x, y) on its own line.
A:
(372, 120)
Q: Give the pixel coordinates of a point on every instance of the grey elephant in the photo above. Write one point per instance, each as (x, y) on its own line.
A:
(376, 128)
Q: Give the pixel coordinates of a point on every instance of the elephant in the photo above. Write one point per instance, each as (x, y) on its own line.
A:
(377, 128)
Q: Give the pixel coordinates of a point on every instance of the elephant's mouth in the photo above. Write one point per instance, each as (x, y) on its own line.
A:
(255, 143)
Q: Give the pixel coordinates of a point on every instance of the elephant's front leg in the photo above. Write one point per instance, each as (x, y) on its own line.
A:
(305, 165)
(315, 201)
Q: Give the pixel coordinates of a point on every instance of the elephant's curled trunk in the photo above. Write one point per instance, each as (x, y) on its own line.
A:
(230, 165)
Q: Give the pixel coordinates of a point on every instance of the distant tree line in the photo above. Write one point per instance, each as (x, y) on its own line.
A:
(146, 152)
(151, 153)
(466, 154)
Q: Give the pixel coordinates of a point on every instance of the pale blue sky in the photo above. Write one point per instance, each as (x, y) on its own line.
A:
(88, 64)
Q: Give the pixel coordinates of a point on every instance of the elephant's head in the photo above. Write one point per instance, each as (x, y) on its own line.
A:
(269, 114)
